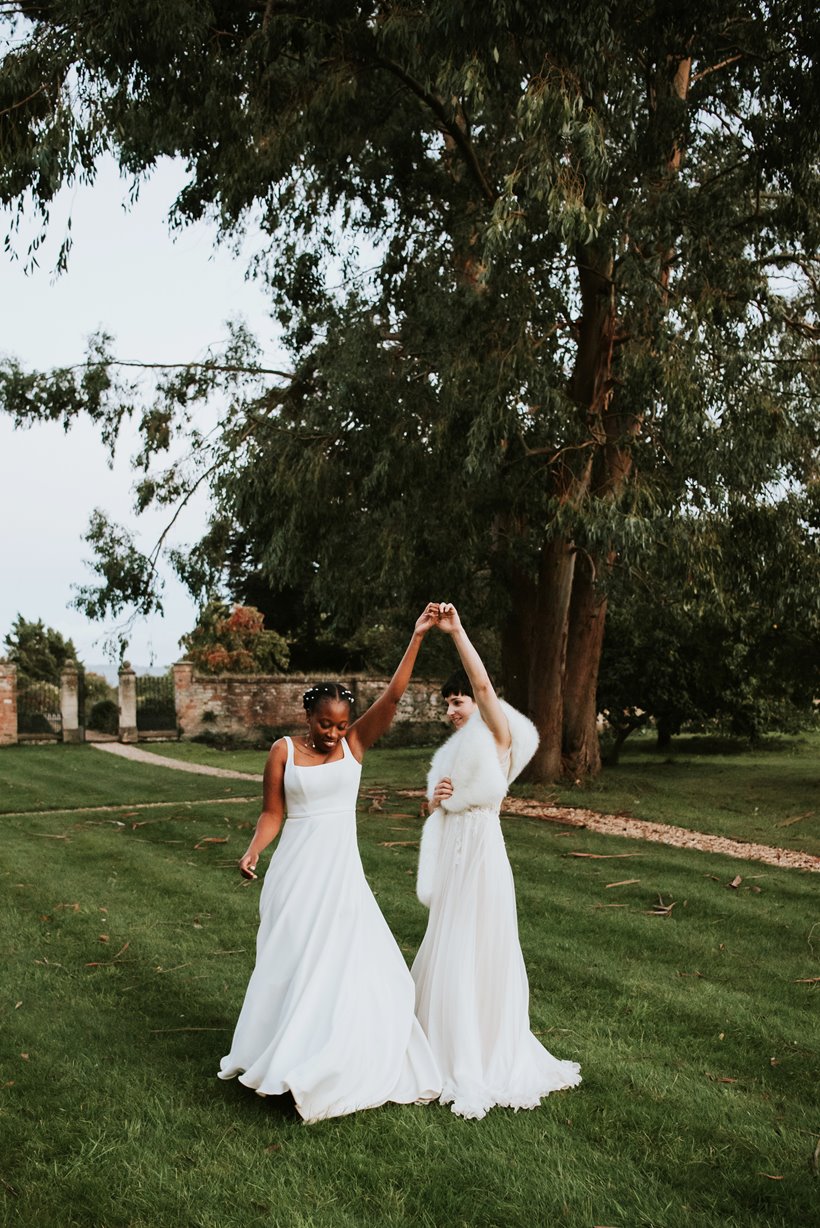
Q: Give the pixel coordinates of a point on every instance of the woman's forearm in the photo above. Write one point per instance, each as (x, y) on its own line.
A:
(268, 827)
(474, 667)
(404, 670)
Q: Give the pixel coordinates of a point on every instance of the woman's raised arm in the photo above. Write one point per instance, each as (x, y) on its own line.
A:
(370, 726)
(484, 694)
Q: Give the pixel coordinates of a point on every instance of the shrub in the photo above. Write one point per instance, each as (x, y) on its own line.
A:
(104, 716)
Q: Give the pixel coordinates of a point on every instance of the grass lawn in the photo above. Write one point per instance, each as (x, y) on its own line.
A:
(126, 950)
(48, 777)
(770, 795)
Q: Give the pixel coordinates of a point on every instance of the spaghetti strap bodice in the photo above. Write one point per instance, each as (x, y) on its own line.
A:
(324, 790)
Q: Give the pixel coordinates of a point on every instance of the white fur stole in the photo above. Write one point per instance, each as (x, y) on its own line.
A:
(470, 758)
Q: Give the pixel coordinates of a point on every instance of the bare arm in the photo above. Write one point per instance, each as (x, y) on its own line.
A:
(488, 702)
(273, 808)
(379, 716)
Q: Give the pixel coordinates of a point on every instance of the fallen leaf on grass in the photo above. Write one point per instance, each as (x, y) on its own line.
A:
(24, 1056)
(42, 835)
(72, 907)
(700, 974)
(211, 840)
(398, 844)
(798, 818)
(8, 1083)
(720, 1079)
(736, 881)
(103, 938)
(661, 909)
(274, 1147)
(625, 882)
(17, 1005)
(807, 980)
(770, 1176)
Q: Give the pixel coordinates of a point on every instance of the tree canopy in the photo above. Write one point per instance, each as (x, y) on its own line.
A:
(548, 281)
(38, 651)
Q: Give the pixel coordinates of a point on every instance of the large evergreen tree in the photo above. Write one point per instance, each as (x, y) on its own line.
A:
(548, 278)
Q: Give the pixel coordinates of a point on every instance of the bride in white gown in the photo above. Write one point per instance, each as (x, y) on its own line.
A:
(472, 993)
(328, 1012)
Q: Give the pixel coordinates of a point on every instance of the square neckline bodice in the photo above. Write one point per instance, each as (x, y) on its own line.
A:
(347, 753)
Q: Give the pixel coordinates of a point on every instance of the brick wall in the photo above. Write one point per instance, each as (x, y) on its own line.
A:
(8, 704)
(246, 706)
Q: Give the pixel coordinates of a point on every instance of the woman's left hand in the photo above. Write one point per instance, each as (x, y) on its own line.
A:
(448, 619)
(428, 618)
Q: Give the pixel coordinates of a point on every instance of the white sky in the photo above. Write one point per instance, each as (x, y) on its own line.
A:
(163, 299)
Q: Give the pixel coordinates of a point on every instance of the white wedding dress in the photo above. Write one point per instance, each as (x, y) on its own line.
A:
(328, 1012)
(472, 992)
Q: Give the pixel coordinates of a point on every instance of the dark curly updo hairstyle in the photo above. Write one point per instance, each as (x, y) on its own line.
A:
(326, 690)
(458, 684)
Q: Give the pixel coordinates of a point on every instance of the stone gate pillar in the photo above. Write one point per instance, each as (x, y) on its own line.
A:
(128, 703)
(70, 703)
(8, 703)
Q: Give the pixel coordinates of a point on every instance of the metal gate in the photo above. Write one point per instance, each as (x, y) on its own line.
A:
(38, 710)
(156, 705)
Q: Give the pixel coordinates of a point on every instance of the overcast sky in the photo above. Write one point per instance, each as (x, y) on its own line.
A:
(163, 299)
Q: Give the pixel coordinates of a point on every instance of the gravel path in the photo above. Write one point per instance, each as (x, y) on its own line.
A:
(126, 751)
(572, 816)
(662, 833)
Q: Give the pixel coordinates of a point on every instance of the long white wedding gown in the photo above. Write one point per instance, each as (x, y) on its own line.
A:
(328, 1012)
(472, 992)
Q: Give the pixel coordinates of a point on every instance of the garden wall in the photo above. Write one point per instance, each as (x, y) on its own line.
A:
(260, 707)
(8, 703)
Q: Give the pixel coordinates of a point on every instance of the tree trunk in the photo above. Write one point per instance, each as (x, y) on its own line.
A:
(517, 640)
(587, 614)
(546, 674)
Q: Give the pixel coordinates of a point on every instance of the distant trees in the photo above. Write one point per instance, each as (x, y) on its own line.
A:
(38, 651)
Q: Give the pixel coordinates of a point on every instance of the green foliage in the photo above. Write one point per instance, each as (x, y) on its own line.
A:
(103, 716)
(738, 641)
(541, 280)
(38, 651)
(234, 640)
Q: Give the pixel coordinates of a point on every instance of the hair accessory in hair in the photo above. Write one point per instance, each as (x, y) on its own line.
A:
(326, 690)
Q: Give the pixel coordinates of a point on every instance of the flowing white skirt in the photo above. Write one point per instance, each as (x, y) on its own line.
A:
(328, 1012)
(472, 993)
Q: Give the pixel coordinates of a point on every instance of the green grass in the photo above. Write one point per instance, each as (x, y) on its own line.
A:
(114, 1119)
(51, 777)
(770, 794)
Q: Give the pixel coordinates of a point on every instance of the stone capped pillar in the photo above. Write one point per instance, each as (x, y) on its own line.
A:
(70, 703)
(8, 703)
(187, 709)
(128, 703)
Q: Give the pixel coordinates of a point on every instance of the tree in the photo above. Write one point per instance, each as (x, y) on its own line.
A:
(234, 641)
(741, 644)
(38, 651)
(587, 305)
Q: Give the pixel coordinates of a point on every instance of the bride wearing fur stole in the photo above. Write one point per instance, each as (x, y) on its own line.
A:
(472, 993)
